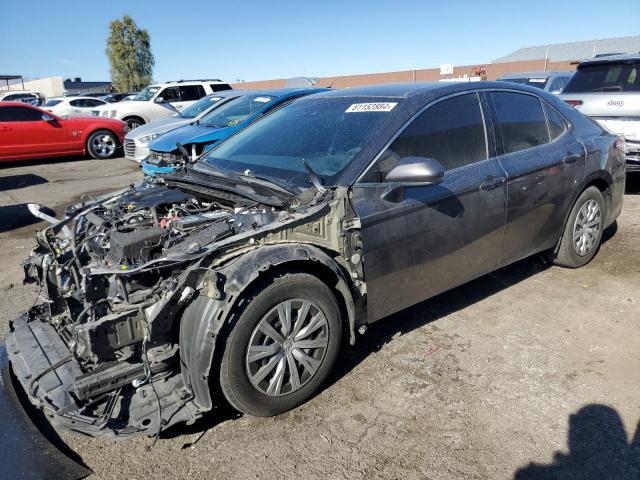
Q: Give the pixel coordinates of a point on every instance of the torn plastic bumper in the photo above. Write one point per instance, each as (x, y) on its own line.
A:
(31, 448)
(120, 399)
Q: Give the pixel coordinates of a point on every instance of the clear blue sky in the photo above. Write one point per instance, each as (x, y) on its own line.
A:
(252, 40)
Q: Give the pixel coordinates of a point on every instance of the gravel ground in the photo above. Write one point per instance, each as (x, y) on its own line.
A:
(530, 372)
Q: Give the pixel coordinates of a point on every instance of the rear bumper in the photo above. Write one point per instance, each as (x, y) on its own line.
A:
(102, 402)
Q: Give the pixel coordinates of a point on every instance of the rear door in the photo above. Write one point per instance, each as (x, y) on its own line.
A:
(544, 162)
(438, 236)
(23, 133)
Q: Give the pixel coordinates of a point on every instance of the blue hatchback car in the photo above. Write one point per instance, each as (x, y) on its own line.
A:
(168, 152)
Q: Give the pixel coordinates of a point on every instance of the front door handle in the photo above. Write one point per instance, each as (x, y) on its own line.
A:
(572, 158)
(5, 129)
(492, 182)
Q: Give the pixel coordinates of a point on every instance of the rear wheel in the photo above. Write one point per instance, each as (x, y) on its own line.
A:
(583, 231)
(282, 346)
(103, 144)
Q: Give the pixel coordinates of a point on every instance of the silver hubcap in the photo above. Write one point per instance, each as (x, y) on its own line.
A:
(587, 227)
(287, 347)
(104, 145)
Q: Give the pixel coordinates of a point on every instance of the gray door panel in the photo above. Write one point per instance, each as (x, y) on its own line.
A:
(540, 185)
(438, 237)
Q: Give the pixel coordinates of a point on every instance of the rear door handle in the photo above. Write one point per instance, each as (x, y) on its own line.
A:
(492, 182)
(573, 158)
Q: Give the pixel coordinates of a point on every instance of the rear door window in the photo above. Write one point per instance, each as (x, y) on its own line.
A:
(190, 93)
(451, 131)
(521, 121)
(609, 77)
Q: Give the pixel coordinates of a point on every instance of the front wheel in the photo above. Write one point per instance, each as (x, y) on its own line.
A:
(583, 231)
(103, 144)
(282, 346)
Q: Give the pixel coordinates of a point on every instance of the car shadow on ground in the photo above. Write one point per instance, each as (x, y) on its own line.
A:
(7, 165)
(14, 182)
(17, 216)
(598, 450)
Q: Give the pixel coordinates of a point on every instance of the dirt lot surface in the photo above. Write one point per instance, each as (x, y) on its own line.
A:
(531, 364)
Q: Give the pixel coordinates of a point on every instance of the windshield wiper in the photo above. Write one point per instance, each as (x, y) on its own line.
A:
(284, 185)
(315, 180)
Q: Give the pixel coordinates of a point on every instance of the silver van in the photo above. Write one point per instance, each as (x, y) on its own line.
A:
(607, 89)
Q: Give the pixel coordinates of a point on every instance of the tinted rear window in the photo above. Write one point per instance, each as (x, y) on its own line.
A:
(521, 121)
(613, 77)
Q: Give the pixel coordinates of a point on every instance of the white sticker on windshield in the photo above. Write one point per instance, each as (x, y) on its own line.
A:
(371, 107)
(537, 80)
(262, 99)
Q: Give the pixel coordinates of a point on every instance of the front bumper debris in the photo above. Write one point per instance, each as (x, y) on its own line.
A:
(119, 399)
(31, 449)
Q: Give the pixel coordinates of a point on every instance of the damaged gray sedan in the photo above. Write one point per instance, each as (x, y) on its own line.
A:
(241, 275)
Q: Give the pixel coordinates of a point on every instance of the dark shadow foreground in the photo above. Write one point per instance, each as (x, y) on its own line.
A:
(598, 450)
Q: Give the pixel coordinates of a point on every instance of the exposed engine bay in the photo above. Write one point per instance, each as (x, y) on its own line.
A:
(102, 353)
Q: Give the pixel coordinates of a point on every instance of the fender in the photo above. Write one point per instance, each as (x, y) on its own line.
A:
(219, 294)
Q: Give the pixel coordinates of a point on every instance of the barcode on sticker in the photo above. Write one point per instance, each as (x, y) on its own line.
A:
(262, 99)
(371, 107)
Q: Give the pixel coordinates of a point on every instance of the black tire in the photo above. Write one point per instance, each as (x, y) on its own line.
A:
(568, 254)
(103, 144)
(133, 122)
(234, 369)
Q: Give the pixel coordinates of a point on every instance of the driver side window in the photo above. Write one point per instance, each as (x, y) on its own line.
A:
(171, 94)
(20, 114)
(451, 132)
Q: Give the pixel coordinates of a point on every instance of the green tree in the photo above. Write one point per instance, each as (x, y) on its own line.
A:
(129, 53)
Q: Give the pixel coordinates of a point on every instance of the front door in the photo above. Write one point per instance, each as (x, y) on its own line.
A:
(438, 236)
(23, 133)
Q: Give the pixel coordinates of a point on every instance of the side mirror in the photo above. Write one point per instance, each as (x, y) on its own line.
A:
(411, 172)
(159, 100)
(48, 118)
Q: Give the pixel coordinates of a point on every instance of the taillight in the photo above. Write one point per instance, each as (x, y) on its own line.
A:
(621, 144)
(574, 103)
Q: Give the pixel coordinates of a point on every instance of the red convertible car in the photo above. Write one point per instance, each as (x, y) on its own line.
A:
(27, 132)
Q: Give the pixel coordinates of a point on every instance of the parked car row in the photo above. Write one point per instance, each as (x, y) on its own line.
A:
(237, 277)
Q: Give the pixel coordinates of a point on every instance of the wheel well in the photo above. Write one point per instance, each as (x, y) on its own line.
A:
(132, 117)
(602, 185)
(319, 270)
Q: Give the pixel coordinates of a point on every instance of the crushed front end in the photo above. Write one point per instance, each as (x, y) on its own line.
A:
(100, 353)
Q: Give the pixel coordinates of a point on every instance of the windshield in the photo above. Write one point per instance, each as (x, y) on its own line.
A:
(236, 110)
(199, 107)
(52, 103)
(605, 78)
(146, 94)
(532, 82)
(327, 133)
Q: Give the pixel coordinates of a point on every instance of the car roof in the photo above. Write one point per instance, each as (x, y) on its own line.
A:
(625, 57)
(534, 74)
(419, 90)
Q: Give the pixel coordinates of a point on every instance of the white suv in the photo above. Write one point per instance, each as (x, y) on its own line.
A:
(160, 100)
